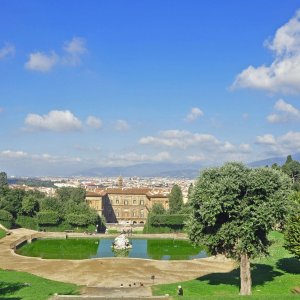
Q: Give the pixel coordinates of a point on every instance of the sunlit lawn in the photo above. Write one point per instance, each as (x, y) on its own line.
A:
(20, 285)
(2, 233)
(273, 277)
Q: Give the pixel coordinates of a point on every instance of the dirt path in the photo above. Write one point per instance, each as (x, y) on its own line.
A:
(108, 272)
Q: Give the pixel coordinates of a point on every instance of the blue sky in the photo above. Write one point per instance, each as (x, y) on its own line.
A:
(109, 83)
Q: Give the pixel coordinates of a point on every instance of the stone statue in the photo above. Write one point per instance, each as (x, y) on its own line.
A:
(121, 242)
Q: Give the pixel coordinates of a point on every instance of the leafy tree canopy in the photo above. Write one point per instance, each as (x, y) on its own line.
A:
(175, 199)
(234, 208)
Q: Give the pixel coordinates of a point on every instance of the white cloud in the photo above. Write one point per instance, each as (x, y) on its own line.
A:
(283, 74)
(41, 62)
(121, 125)
(194, 114)
(74, 49)
(55, 120)
(179, 139)
(281, 145)
(71, 56)
(94, 122)
(13, 154)
(267, 139)
(197, 146)
(133, 158)
(7, 50)
(287, 112)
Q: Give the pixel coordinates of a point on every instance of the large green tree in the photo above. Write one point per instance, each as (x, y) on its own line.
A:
(292, 169)
(292, 228)
(234, 208)
(175, 199)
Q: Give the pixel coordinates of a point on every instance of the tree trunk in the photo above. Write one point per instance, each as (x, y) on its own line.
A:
(245, 275)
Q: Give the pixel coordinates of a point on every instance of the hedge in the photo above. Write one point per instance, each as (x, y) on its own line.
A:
(168, 220)
(48, 217)
(6, 218)
(27, 222)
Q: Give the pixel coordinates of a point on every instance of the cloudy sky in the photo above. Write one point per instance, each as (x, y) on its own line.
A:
(108, 83)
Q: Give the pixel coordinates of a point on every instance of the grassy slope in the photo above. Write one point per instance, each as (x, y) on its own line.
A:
(19, 285)
(58, 248)
(273, 277)
(2, 233)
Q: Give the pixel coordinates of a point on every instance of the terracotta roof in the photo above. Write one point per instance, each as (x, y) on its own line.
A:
(150, 195)
(128, 191)
(95, 194)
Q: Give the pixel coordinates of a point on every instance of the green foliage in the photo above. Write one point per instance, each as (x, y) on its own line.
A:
(292, 228)
(175, 199)
(78, 219)
(292, 169)
(235, 207)
(190, 191)
(2, 233)
(48, 217)
(76, 195)
(165, 220)
(11, 200)
(3, 180)
(6, 218)
(27, 222)
(30, 205)
(157, 209)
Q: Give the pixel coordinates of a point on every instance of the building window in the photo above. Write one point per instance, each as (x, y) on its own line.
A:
(142, 213)
(117, 201)
(142, 202)
(133, 213)
(125, 202)
(134, 201)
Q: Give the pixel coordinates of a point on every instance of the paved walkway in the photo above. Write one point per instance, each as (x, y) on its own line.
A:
(108, 272)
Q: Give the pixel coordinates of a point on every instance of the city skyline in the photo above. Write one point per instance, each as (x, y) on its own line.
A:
(100, 84)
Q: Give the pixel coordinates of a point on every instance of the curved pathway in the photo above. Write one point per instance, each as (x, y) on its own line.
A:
(108, 272)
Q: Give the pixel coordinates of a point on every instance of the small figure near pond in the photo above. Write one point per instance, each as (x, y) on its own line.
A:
(180, 291)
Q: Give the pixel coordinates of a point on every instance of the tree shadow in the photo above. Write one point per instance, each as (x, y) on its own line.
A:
(7, 288)
(260, 274)
(289, 265)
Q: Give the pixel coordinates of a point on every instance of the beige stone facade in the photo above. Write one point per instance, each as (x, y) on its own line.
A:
(121, 205)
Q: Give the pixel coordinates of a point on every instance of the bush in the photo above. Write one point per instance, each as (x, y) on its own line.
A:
(6, 218)
(27, 222)
(167, 220)
(48, 217)
(77, 219)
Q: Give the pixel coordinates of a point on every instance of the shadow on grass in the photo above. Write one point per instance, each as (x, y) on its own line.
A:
(260, 274)
(7, 288)
(289, 265)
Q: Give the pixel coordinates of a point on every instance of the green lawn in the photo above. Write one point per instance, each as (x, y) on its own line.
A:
(19, 285)
(60, 248)
(2, 233)
(273, 278)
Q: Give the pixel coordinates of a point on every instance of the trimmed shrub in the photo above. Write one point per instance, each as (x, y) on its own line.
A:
(6, 218)
(167, 220)
(77, 219)
(48, 217)
(27, 222)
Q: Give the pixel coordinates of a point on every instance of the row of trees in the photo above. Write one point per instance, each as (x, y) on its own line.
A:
(34, 210)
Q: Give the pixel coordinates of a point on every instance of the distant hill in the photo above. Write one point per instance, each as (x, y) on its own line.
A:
(145, 170)
(270, 161)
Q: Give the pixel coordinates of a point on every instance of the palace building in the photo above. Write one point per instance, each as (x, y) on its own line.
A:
(125, 205)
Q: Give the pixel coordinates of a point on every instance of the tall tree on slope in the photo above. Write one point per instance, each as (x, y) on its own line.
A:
(234, 208)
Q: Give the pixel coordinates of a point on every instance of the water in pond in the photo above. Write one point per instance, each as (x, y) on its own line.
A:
(159, 249)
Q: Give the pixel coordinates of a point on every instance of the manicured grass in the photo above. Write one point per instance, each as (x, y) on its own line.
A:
(273, 278)
(60, 248)
(2, 233)
(20, 285)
